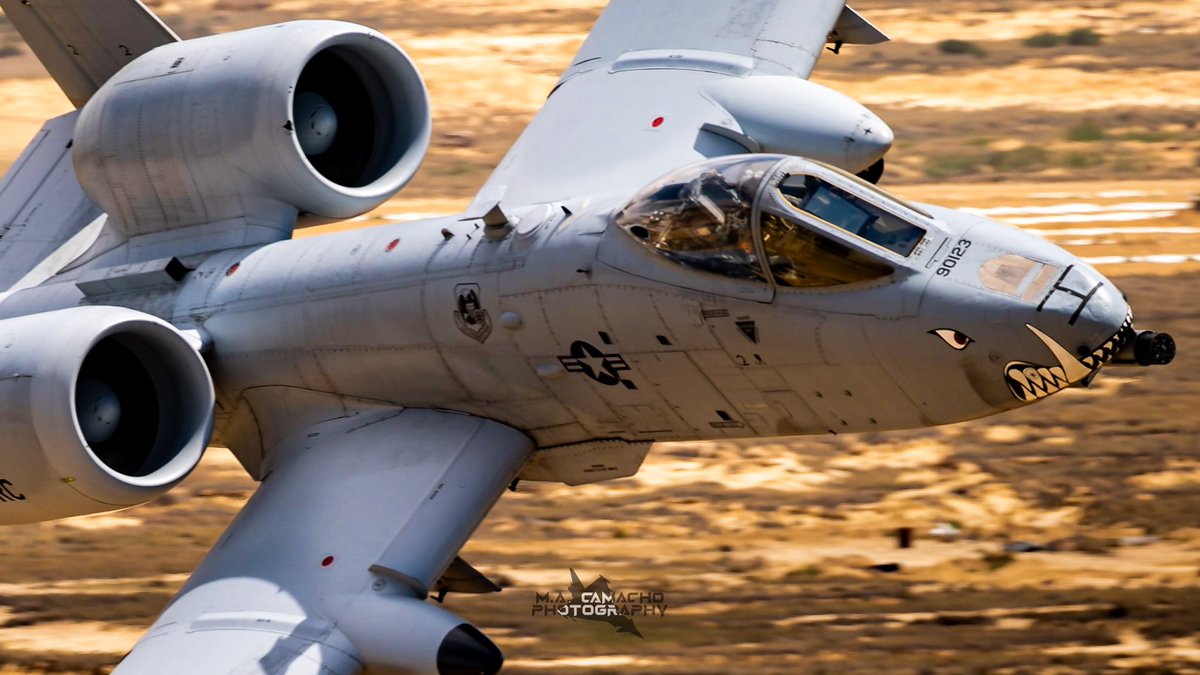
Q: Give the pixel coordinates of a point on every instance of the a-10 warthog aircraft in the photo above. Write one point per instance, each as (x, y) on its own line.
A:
(685, 244)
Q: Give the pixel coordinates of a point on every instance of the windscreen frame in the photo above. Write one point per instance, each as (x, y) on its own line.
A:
(847, 194)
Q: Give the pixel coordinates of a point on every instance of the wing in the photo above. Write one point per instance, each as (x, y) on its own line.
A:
(327, 568)
(633, 104)
(782, 36)
(83, 44)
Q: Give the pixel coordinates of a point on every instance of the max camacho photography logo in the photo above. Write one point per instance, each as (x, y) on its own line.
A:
(599, 602)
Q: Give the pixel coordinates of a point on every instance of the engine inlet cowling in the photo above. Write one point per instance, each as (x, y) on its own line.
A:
(108, 408)
(310, 117)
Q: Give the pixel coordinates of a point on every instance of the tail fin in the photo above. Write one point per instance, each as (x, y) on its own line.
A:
(83, 44)
(46, 221)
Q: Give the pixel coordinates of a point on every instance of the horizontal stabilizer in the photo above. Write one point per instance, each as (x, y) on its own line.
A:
(83, 44)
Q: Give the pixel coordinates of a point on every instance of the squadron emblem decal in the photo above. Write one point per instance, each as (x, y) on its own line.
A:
(603, 368)
(470, 316)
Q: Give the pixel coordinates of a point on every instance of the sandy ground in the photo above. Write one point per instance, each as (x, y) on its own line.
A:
(985, 21)
(1057, 89)
(769, 551)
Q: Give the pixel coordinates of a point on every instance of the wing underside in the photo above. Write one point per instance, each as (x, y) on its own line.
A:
(632, 105)
(327, 568)
(784, 37)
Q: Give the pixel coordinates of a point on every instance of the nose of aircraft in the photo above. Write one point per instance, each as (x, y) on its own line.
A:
(1049, 320)
(1083, 321)
(1077, 322)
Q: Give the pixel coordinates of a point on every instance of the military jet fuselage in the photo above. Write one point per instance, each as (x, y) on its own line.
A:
(746, 296)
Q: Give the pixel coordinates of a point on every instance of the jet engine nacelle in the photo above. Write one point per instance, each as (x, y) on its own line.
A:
(101, 408)
(318, 117)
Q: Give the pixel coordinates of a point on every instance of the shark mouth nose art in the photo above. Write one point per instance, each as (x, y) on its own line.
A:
(1030, 382)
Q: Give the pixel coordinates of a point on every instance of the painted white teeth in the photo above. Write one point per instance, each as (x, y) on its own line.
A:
(1030, 382)
(1036, 382)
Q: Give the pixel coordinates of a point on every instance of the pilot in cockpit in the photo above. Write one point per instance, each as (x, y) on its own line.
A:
(703, 222)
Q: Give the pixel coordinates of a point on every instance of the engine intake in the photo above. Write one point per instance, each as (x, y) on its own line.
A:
(101, 408)
(315, 117)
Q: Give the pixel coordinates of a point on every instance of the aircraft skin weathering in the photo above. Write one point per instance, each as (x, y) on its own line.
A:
(686, 243)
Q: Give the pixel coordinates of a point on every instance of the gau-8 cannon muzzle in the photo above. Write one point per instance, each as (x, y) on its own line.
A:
(1147, 349)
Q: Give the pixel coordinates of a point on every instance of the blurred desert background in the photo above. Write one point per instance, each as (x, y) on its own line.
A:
(1070, 531)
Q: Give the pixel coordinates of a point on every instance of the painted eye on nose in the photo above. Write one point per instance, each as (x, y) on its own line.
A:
(956, 339)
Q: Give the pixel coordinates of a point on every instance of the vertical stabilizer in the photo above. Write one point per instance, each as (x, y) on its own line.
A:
(83, 44)
(44, 214)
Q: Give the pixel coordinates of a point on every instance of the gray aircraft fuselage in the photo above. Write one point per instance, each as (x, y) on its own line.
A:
(567, 328)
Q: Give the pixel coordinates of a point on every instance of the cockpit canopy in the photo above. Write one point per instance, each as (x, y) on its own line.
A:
(766, 218)
(701, 216)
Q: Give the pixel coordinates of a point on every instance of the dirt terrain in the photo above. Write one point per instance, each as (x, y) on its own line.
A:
(779, 556)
